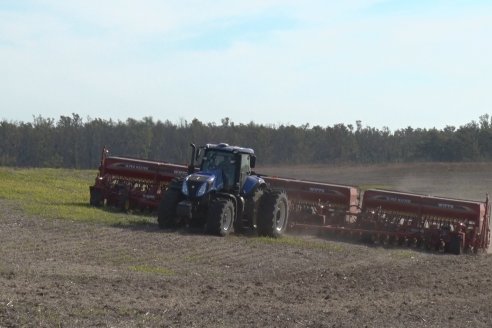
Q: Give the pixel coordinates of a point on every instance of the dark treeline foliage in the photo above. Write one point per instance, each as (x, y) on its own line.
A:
(72, 142)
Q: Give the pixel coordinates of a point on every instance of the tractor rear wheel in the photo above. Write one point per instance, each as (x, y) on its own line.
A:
(220, 217)
(273, 214)
(166, 214)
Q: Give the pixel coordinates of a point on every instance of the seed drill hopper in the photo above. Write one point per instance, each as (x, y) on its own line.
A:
(132, 183)
(389, 217)
(384, 217)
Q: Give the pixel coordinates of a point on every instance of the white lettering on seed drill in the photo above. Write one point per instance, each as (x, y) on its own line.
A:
(319, 190)
(398, 200)
(137, 167)
(441, 205)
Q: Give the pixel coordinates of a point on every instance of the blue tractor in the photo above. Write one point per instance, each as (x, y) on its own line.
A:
(224, 194)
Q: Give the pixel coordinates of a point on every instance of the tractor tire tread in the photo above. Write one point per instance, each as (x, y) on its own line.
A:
(269, 208)
(216, 211)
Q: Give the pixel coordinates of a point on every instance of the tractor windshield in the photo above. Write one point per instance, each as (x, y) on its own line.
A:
(220, 160)
(214, 159)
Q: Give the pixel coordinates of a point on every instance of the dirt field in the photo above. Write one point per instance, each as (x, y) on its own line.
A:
(57, 273)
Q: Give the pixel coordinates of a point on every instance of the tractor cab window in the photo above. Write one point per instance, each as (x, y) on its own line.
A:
(225, 161)
(245, 170)
(216, 159)
(245, 164)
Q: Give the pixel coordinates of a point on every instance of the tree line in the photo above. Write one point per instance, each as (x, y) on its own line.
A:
(73, 142)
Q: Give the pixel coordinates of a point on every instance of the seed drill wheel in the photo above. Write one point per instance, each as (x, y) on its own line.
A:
(273, 214)
(220, 217)
(124, 202)
(96, 197)
(454, 246)
(166, 214)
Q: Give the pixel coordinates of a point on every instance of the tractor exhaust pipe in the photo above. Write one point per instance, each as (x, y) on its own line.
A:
(191, 167)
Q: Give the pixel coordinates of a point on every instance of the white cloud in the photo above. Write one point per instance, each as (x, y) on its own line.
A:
(337, 64)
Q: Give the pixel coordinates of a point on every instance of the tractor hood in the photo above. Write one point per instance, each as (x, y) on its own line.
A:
(198, 184)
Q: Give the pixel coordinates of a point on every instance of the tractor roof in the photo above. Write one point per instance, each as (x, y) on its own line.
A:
(225, 147)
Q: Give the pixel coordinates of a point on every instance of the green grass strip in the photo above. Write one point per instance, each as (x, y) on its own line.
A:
(60, 194)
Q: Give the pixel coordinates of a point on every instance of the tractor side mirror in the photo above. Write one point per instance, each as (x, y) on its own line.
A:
(252, 161)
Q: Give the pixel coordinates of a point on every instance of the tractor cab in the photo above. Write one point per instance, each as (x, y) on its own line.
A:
(223, 168)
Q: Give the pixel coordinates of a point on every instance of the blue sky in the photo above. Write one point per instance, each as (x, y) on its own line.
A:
(387, 63)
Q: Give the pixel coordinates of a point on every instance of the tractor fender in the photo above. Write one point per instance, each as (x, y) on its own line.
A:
(252, 182)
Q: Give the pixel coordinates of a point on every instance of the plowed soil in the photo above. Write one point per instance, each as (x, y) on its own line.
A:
(57, 273)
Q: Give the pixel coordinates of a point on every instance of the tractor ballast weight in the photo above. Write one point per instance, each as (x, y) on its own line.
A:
(233, 197)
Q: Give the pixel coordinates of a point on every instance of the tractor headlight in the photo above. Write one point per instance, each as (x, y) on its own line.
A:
(202, 190)
(184, 188)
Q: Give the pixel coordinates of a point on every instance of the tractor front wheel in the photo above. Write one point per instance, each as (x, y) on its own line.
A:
(220, 217)
(273, 214)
